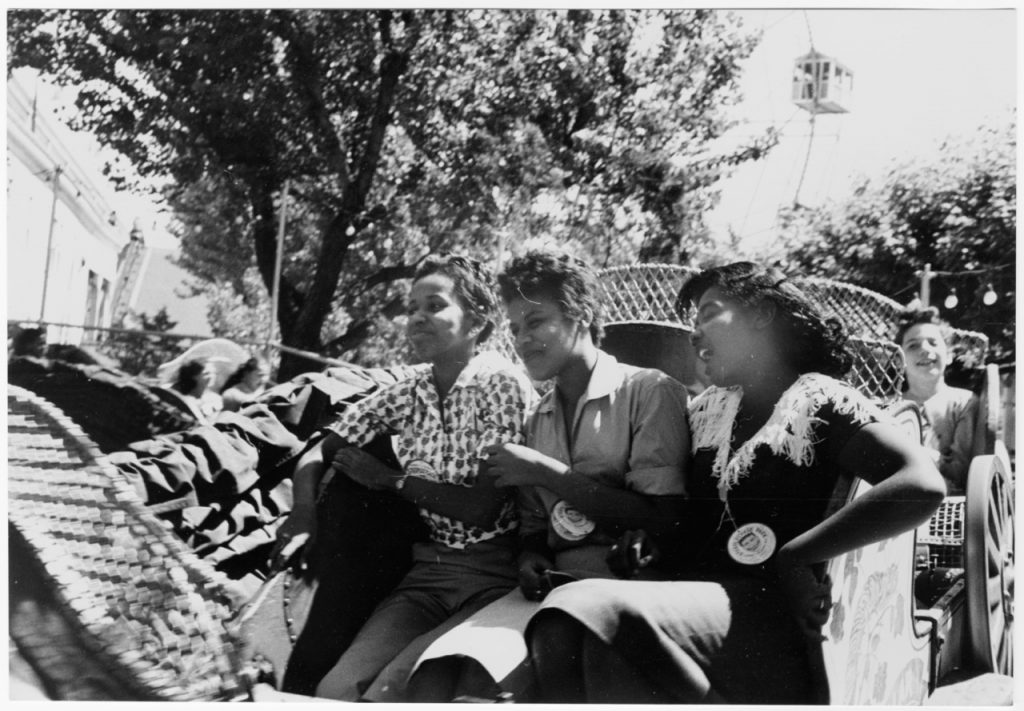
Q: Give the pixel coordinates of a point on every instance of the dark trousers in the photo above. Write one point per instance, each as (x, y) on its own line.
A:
(363, 549)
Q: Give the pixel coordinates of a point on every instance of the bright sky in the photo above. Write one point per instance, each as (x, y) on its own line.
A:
(920, 75)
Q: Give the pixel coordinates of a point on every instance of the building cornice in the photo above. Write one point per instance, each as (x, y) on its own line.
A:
(37, 144)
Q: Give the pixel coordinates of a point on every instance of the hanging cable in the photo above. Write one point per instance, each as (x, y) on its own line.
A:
(967, 272)
(784, 17)
(814, 112)
(830, 172)
(807, 160)
(764, 166)
(753, 196)
(810, 35)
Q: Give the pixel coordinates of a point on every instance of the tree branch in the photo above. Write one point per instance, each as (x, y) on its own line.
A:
(392, 66)
(308, 81)
(358, 331)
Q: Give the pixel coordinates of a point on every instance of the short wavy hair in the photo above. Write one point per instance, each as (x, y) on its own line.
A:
(474, 287)
(25, 339)
(912, 316)
(813, 342)
(249, 366)
(563, 278)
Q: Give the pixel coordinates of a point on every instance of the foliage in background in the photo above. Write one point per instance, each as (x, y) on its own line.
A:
(141, 353)
(956, 211)
(402, 133)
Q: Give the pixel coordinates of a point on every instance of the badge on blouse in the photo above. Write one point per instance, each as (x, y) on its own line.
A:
(751, 544)
(419, 468)
(569, 523)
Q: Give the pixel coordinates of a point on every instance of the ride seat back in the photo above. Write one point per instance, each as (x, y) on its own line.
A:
(656, 344)
(987, 425)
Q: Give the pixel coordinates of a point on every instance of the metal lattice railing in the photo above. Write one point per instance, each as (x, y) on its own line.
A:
(643, 292)
(647, 292)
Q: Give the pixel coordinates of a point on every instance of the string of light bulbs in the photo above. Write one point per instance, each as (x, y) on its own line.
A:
(988, 298)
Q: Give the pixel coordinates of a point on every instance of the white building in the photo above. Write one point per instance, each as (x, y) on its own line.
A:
(63, 235)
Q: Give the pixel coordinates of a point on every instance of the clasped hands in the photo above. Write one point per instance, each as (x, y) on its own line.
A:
(509, 464)
(504, 465)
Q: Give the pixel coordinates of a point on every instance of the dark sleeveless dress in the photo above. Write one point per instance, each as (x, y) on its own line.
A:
(724, 627)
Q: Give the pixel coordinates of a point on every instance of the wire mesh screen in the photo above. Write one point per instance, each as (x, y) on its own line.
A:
(868, 314)
(642, 292)
(944, 534)
(877, 369)
(865, 314)
(647, 292)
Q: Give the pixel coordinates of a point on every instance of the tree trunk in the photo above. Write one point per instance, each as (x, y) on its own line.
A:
(304, 326)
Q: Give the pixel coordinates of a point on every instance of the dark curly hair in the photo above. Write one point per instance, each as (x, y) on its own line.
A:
(189, 375)
(561, 277)
(27, 339)
(474, 287)
(250, 366)
(813, 341)
(912, 316)
(70, 354)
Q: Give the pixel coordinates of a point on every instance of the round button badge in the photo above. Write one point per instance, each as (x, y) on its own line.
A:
(751, 544)
(569, 523)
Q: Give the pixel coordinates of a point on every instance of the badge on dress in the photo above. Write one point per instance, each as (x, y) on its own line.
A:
(569, 523)
(419, 468)
(751, 544)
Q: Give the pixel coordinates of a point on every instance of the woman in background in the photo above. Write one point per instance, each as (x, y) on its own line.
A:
(193, 382)
(245, 384)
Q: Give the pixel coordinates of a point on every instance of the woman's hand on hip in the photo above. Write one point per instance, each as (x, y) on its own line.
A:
(809, 598)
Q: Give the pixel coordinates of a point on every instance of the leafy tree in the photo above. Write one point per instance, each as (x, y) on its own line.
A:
(401, 133)
(956, 212)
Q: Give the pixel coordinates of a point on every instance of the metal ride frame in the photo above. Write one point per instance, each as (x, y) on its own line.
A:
(100, 571)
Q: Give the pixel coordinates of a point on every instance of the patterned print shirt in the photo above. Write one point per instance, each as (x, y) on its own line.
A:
(444, 442)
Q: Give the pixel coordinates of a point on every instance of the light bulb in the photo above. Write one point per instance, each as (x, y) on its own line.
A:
(951, 300)
(990, 296)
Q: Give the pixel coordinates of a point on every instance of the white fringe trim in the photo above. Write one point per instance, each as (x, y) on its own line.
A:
(789, 431)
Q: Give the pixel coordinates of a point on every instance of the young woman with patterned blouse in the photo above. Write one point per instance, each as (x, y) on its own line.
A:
(445, 417)
(769, 440)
